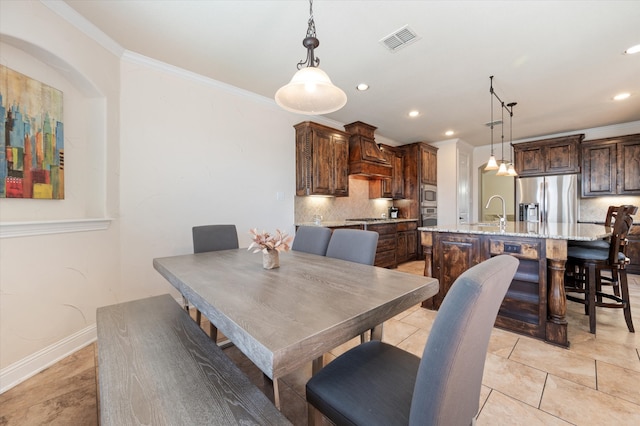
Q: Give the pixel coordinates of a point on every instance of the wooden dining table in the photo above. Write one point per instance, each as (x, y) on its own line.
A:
(286, 317)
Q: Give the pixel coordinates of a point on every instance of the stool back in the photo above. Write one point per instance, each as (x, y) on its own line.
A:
(621, 227)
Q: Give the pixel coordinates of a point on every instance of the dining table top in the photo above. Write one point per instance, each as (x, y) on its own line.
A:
(285, 317)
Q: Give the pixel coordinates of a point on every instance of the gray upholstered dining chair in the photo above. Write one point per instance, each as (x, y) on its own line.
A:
(212, 238)
(379, 384)
(312, 239)
(354, 245)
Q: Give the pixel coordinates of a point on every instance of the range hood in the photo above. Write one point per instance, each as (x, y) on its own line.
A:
(365, 158)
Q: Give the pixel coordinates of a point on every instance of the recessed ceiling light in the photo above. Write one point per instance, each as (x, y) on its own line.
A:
(362, 87)
(414, 113)
(621, 96)
(449, 133)
(633, 49)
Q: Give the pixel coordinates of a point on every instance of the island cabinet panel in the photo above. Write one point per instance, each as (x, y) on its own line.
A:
(524, 308)
(453, 254)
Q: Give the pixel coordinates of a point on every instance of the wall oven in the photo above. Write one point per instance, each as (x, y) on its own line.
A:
(428, 195)
(429, 216)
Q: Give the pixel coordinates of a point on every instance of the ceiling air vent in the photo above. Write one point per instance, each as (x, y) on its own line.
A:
(399, 38)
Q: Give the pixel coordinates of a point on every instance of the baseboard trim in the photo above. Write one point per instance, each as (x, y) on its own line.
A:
(22, 370)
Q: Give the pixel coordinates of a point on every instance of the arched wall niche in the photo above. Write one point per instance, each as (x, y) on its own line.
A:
(85, 112)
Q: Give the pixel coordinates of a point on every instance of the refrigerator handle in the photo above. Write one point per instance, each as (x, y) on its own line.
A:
(545, 201)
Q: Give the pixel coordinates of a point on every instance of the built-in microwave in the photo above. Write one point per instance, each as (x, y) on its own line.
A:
(429, 195)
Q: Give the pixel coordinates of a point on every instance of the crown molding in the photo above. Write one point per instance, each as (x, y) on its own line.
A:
(69, 14)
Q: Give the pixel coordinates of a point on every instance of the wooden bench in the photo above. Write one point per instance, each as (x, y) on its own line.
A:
(157, 367)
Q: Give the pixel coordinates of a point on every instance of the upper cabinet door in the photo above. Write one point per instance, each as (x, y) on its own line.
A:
(629, 166)
(611, 166)
(428, 165)
(322, 156)
(599, 169)
(555, 156)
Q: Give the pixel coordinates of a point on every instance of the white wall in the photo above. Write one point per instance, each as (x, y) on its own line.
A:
(196, 152)
(153, 148)
(51, 285)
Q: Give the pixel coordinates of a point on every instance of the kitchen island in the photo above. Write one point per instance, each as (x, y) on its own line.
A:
(535, 304)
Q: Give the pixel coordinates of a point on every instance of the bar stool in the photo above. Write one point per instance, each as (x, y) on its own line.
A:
(584, 272)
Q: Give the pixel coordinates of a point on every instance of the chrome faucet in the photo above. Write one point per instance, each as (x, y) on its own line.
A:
(503, 219)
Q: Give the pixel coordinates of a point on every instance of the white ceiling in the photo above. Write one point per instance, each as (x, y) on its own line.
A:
(561, 61)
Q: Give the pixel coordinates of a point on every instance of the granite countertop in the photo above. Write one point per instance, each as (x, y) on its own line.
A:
(340, 223)
(554, 231)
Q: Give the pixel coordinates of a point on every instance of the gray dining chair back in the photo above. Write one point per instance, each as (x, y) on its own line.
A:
(376, 383)
(214, 237)
(354, 245)
(312, 239)
(447, 389)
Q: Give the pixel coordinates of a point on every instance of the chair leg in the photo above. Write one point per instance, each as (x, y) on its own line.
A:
(624, 288)
(198, 317)
(314, 417)
(615, 281)
(590, 297)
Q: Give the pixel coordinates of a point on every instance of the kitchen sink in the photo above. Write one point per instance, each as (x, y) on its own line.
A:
(488, 224)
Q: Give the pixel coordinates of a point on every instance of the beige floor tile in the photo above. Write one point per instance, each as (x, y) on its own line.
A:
(582, 405)
(557, 361)
(502, 342)
(604, 350)
(501, 373)
(503, 410)
(619, 382)
(415, 343)
(395, 331)
(421, 318)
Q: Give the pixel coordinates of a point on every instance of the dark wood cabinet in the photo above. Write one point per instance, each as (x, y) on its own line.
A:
(553, 156)
(428, 164)
(407, 242)
(397, 178)
(633, 250)
(322, 156)
(452, 255)
(392, 187)
(524, 308)
(611, 166)
(386, 250)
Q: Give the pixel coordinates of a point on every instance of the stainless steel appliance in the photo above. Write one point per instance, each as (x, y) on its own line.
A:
(428, 205)
(393, 212)
(556, 196)
(429, 216)
(529, 212)
(429, 195)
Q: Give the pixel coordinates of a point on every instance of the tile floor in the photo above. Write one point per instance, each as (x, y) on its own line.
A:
(528, 382)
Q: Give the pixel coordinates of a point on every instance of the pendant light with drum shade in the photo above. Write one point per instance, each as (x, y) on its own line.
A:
(310, 91)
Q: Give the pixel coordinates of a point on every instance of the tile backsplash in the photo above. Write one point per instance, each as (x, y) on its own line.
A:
(595, 209)
(332, 209)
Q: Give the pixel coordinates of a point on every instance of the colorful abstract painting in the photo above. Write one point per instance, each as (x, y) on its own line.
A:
(32, 138)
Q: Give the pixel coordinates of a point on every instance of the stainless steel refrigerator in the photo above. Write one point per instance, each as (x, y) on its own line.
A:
(556, 196)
